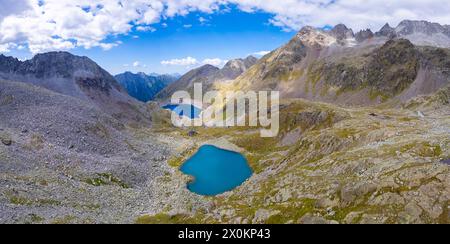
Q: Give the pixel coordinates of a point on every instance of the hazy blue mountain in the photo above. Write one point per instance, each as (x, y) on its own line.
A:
(142, 86)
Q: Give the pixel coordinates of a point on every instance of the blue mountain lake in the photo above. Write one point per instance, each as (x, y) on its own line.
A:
(216, 171)
(187, 110)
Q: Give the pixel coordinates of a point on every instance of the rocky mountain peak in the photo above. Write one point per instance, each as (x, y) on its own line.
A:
(408, 27)
(207, 68)
(8, 64)
(424, 33)
(364, 35)
(306, 30)
(313, 37)
(317, 38)
(62, 72)
(236, 67)
(250, 60)
(341, 32)
(386, 31)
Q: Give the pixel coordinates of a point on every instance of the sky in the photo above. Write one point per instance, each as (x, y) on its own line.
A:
(174, 36)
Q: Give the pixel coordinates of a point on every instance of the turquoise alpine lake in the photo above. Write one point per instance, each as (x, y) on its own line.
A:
(187, 110)
(216, 170)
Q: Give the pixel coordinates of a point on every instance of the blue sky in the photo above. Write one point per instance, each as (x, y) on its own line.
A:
(168, 36)
(223, 35)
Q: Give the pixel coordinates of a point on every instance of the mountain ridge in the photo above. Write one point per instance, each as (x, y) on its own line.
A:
(338, 66)
(75, 76)
(208, 75)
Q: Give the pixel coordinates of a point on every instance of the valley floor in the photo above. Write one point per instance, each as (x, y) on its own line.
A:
(332, 165)
(329, 165)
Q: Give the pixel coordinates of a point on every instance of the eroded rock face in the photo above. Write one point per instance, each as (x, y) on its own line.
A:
(424, 33)
(364, 35)
(408, 27)
(393, 67)
(236, 67)
(389, 70)
(61, 65)
(341, 32)
(386, 31)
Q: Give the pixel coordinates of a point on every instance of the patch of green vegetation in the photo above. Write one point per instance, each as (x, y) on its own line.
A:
(255, 163)
(325, 90)
(444, 219)
(342, 212)
(178, 160)
(36, 142)
(103, 179)
(16, 200)
(3, 154)
(36, 218)
(313, 77)
(48, 202)
(422, 149)
(291, 75)
(131, 146)
(69, 219)
(163, 218)
(256, 143)
(407, 119)
(6, 100)
(292, 212)
(84, 207)
(22, 201)
(99, 130)
(375, 94)
(161, 120)
(346, 133)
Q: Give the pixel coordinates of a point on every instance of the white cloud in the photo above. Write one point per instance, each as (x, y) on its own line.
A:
(66, 24)
(215, 62)
(202, 20)
(187, 26)
(5, 48)
(193, 62)
(145, 29)
(109, 46)
(357, 14)
(10, 7)
(188, 61)
(138, 64)
(261, 53)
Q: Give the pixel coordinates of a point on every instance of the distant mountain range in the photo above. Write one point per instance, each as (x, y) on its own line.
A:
(208, 75)
(144, 87)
